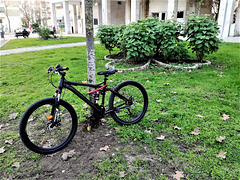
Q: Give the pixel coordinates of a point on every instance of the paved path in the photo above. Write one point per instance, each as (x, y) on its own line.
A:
(40, 48)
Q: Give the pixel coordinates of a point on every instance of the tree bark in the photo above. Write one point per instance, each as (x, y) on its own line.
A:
(91, 70)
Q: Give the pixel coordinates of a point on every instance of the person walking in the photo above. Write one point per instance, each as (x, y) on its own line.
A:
(2, 31)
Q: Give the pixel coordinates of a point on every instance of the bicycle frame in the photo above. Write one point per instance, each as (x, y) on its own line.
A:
(69, 85)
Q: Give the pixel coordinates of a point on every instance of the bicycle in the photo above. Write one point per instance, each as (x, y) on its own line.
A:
(49, 124)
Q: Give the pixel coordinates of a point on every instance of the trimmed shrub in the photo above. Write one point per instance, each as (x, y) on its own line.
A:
(202, 34)
(107, 36)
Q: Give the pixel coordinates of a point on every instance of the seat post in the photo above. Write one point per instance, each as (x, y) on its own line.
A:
(105, 79)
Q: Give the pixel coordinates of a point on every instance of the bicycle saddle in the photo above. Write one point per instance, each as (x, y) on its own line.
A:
(108, 72)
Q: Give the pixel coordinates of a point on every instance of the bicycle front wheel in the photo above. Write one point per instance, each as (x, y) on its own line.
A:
(43, 133)
(132, 108)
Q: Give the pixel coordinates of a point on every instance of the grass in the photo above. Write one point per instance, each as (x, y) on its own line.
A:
(20, 43)
(210, 92)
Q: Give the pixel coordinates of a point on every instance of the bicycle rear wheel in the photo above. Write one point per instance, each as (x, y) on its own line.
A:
(44, 134)
(132, 109)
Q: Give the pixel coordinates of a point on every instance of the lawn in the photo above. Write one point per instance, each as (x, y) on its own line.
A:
(28, 42)
(191, 129)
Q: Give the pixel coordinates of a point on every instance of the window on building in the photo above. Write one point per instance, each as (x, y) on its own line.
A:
(155, 15)
(163, 16)
(95, 21)
(180, 14)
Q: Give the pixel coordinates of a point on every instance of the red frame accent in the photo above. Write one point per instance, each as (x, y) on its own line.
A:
(97, 89)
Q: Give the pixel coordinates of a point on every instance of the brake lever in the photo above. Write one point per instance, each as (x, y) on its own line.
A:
(51, 68)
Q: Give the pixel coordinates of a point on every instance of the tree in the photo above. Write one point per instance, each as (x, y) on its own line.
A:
(94, 121)
(6, 12)
(35, 12)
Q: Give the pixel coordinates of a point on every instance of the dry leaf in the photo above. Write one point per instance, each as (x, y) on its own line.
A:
(158, 100)
(173, 73)
(148, 131)
(164, 94)
(200, 116)
(10, 141)
(178, 175)
(176, 127)
(105, 148)
(2, 150)
(225, 117)
(13, 115)
(119, 71)
(195, 131)
(84, 81)
(67, 155)
(220, 138)
(220, 75)
(108, 134)
(103, 120)
(85, 105)
(161, 137)
(166, 84)
(173, 92)
(147, 81)
(121, 174)
(16, 164)
(221, 154)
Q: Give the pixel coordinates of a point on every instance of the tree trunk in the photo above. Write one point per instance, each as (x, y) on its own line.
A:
(90, 54)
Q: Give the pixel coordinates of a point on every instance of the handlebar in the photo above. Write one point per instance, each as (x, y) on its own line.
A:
(58, 69)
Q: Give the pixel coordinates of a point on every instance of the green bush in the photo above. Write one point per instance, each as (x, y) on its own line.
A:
(169, 46)
(44, 33)
(138, 39)
(202, 34)
(107, 36)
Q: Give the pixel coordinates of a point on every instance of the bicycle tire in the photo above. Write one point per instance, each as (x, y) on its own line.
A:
(36, 132)
(136, 111)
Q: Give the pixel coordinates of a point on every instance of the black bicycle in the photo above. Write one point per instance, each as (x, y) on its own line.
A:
(49, 124)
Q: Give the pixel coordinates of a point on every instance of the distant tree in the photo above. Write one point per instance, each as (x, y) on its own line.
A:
(6, 12)
(35, 12)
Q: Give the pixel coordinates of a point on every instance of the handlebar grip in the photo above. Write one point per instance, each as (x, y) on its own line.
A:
(60, 68)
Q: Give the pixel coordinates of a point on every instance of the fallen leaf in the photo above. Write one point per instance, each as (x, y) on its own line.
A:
(176, 127)
(85, 105)
(119, 71)
(190, 71)
(200, 116)
(166, 84)
(164, 94)
(67, 155)
(161, 137)
(1, 126)
(121, 174)
(220, 138)
(158, 100)
(173, 73)
(105, 148)
(108, 134)
(148, 131)
(195, 131)
(84, 81)
(221, 154)
(178, 175)
(16, 164)
(225, 117)
(173, 92)
(13, 115)
(220, 75)
(2, 150)
(147, 81)
(10, 141)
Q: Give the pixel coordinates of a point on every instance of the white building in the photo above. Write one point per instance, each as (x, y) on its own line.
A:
(69, 15)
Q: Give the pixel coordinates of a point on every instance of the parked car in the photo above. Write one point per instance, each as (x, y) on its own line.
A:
(22, 32)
